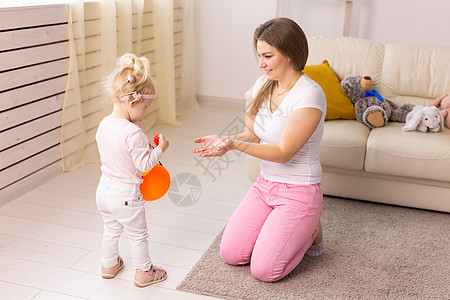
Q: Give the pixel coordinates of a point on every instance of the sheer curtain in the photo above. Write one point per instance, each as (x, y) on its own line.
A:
(100, 32)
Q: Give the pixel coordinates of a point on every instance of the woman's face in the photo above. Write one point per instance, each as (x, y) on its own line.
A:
(274, 64)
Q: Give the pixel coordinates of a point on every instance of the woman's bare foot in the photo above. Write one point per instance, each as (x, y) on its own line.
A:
(318, 238)
(318, 245)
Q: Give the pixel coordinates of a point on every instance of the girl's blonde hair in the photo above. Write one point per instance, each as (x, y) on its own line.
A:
(288, 37)
(132, 75)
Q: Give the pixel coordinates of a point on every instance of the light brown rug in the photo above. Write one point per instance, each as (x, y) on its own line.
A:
(373, 251)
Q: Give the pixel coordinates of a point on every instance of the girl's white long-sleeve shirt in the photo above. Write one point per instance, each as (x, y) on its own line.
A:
(124, 150)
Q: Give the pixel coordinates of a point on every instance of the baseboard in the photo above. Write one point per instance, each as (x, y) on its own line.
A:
(29, 183)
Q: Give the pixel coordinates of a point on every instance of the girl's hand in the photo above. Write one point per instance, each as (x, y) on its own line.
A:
(214, 146)
(163, 143)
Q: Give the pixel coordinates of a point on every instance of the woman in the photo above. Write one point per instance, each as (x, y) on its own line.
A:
(277, 222)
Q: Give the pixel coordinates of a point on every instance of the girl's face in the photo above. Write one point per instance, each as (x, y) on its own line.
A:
(274, 64)
(137, 110)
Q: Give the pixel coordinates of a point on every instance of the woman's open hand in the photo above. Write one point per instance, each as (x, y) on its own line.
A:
(214, 146)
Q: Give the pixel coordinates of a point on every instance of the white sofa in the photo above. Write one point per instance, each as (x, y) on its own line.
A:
(385, 164)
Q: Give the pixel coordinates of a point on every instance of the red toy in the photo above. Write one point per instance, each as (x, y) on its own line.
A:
(156, 181)
(156, 140)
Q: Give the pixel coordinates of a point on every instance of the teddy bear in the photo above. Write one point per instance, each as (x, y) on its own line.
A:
(370, 108)
(444, 102)
(424, 119)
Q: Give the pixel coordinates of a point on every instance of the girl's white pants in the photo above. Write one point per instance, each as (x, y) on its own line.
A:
(122, 208)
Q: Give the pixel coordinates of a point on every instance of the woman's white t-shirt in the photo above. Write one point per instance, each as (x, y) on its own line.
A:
(304, 168)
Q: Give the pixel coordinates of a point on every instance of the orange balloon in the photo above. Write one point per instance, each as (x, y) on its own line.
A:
(156, 183)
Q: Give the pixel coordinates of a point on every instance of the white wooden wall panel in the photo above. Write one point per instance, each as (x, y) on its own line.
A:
(26, 17)
(30, 56)
(30, 75)
(19, 134)
(26, 167)
(33, 179)
(32, 36)
(21, 151)
(33, 74)
(31, 93)
(26, 113)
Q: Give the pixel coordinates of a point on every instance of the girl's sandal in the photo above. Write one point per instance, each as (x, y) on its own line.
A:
(152, 276)
(109, 273)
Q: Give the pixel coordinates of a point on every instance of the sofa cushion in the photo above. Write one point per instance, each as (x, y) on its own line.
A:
(415, 72)
(411, 154)
(344, 144)
(348, 55)
(339, 105)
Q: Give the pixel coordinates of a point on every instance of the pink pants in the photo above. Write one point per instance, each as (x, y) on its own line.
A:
(272, 228)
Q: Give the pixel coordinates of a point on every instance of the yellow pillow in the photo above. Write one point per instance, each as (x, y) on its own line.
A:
(339, 105)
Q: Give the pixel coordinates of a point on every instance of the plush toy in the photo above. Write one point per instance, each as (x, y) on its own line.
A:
(370, 108)
(424, 119)
(444, 101)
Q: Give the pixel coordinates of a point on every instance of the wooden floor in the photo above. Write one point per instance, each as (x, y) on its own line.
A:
(50, 238)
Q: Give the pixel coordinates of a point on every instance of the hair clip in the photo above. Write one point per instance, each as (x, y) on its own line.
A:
(135, 96)
(131, 79)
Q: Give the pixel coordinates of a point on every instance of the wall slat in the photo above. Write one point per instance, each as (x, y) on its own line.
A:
(15, 17)
(22, 151)
(26, 167)
(22, 114)
(33, 74)
(32, 92)
(29, 182)
(15, 39)
(16, 78)
(28, 130)
(30, 56)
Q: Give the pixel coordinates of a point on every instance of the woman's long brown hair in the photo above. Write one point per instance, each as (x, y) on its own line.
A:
(287, 36)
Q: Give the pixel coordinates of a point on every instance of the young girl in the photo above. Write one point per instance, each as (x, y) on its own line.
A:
(125, 154)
